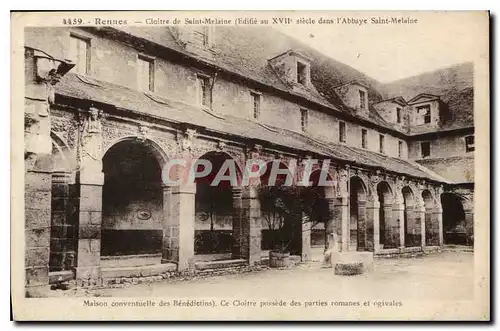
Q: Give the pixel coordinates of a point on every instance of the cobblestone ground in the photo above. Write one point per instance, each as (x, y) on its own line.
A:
(443, 276)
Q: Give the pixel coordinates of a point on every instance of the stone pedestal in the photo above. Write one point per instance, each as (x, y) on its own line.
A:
(37, 231)
(89, 228)
(373, 225)
(178, 242)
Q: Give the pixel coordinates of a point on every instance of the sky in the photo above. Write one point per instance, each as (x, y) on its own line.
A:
(390, 52)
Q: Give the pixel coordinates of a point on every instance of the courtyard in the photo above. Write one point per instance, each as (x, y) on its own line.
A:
(447, 276)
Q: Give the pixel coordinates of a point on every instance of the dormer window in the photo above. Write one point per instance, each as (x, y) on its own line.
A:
(201, 35)
(469, 144)
(362, 99)
(204, 91)
(424, 114)
(398, 115)
(304, 118)
(302, 73)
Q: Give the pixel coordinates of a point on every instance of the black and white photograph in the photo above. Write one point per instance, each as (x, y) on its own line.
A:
(253, 166)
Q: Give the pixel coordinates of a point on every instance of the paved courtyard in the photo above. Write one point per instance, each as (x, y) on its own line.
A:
(442, 276)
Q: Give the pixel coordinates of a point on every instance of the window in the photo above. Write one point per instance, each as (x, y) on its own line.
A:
(400, 149)
(381, 143)
(303, 119)
(363, 138)
(424, 114)
(255, 105)
(425, 149)
(301, 73)
(342, 132)
(362, 99)
(201, 35)
(398, 115)
(145, 73)
(79, 53)
(469, 144)
(204, 91)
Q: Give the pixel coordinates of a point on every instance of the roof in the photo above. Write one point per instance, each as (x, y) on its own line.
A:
(79, 87)
(454, 86)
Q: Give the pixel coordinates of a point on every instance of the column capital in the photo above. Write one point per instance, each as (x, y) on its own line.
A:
(184, 189)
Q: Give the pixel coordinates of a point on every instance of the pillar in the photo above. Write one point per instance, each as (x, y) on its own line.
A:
(247, 228)
(342, 222)
(437, 221)
(398, 210)
(391, 228)
(306, 241)
(373, 221)
(37, 228)
(178, 242)
(362, 232)
(88, 269)
(419, 220)
(166, 224)
(469, 223)
(331, 226)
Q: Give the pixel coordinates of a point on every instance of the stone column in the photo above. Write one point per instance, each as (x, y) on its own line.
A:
(342, 222)
(178, 245)
(419, 219)
(37, 228)
(437, 221)
(332, 226)
(168, 231)
(306, 241)
(248, 234)
(398, 209)
(88, 270)
(372, 218)
(391, 234)
(42, 74)
(362, 234)
(469, 223)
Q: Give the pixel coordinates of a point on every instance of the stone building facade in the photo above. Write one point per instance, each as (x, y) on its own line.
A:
(107, 108)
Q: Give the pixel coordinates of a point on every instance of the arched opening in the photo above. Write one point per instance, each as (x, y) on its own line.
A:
(454, 226)
(412, 230)
(388, 229)
(431, 225)
(214, 209)
(318, 209)
(132, 200)
(357, 209)
(280, 210)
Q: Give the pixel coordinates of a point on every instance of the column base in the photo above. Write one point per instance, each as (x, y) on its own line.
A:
(37, 291)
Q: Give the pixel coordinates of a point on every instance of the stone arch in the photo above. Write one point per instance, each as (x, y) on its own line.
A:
(321, 207)
(63, 159)
(457, 229)
(410, 226)
(132, 198)
(388, 228)
(431, 222)
(358, 194)
(215, 213)
(156, 148)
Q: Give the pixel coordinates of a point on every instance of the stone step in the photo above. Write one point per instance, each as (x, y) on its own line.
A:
(203, 265)
(140, 271)
(130, 260)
